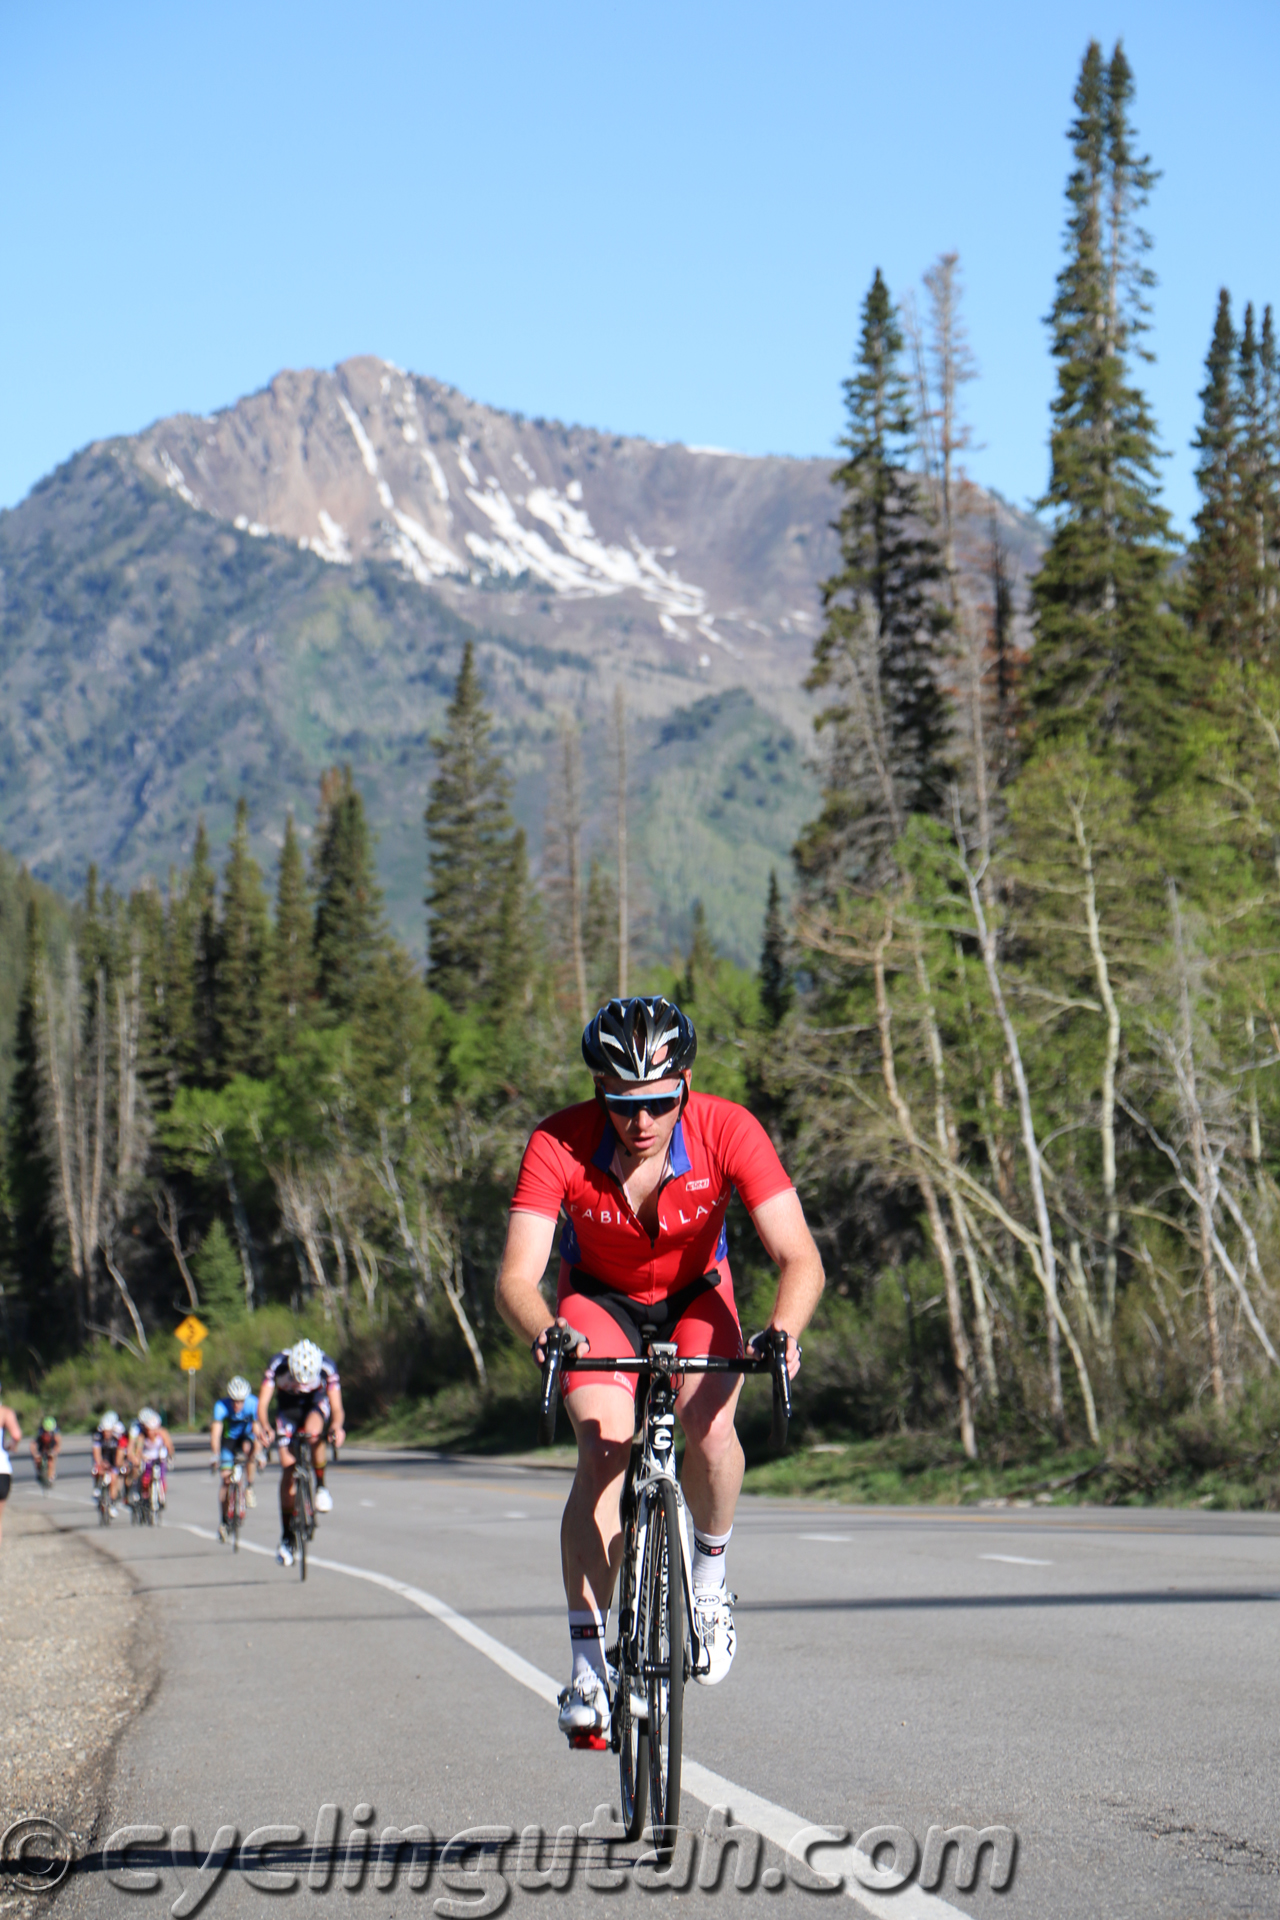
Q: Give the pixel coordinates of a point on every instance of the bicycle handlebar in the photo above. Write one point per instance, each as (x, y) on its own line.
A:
(771, 1358)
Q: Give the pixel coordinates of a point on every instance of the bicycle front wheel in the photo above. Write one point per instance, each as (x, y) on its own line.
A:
(304, 1521)
(663, 1642)
(631, 1729)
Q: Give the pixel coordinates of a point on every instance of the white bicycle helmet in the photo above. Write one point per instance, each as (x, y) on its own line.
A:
(110, 1421)
(304, 1363)
(238, 1387)
(148, 1417)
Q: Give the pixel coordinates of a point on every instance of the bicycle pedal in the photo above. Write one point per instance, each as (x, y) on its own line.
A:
(587, 1742)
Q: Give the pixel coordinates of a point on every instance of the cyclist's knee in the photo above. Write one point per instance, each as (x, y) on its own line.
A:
(602, 1457)
(709, 1425)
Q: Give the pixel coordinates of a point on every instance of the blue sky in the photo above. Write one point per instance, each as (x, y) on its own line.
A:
(659, 219)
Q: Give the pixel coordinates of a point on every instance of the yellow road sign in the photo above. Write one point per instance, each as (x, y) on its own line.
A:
(189, 1360)
(192, 1332)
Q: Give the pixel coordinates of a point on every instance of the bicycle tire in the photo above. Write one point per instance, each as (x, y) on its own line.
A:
(632, 1734)
(663, 1643)
(304, 1517)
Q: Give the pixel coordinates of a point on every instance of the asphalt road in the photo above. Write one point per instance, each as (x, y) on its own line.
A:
(1103, 1683)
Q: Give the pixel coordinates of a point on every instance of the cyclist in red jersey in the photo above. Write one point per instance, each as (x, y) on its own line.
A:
(643, 1174)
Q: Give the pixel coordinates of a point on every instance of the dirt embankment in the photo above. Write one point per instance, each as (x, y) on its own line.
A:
(74, 1670)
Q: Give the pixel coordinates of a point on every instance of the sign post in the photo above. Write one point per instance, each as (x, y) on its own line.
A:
(191, 1336)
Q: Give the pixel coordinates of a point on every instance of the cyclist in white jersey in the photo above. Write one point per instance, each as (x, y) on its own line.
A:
(9, 1429)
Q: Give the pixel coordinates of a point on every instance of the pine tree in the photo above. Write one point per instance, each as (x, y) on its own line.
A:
(242, 959)
(476, 938)
(880, 650)
(350, 934)
(1216, 557)
(293, 957)
(29, 1175)
(700, 961)
(777, 989)
(600, 934)
(1258, 456)
(1109, 662)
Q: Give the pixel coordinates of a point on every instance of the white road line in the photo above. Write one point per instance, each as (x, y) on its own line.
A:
(774, 1823)
(836, 1539)
(1015, 1560)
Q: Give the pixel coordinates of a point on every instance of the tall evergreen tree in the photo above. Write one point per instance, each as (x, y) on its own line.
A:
(777, 989)
(29, 1175)
(1109, 661)
(1258, 479)
(242, 959)
(350, 934)
(600, 934)
(1219, 555)
(879, 654)
(293, 957)
(476, 942)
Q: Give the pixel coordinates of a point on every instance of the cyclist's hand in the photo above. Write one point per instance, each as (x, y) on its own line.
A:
(756, 1343)
(577, 1340)
(338, 1436)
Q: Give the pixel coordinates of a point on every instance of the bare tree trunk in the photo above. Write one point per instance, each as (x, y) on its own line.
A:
(1107, 1121)
(127, 1297)
(299, 1210)
(167, 1215)
(1199, 1154)
(960, 1350)
(949, 1147)
(1048, 1254)
(418, 1247)
(624, 934)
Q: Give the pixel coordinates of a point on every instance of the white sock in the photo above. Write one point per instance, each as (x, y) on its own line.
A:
(708, 1560)
(586, 1640)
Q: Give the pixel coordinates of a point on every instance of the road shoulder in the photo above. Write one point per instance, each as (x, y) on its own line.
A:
(78, 1668)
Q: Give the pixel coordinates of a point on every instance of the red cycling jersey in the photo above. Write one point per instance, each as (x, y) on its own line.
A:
(717, 1146)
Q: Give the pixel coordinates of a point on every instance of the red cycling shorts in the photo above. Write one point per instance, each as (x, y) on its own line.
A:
(708, 1325)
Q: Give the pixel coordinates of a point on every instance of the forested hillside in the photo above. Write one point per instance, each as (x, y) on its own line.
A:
(1013, 1020)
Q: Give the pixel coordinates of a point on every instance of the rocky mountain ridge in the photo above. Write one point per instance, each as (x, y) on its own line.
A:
(231, 603)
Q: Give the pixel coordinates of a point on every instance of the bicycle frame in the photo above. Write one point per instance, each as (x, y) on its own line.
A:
(652, 1487)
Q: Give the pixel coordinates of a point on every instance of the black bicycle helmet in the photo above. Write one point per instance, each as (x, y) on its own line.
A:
(639, 1039)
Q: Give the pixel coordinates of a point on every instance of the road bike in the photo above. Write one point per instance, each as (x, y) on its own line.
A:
(304, 1499)
(106, 1510)
(658, 1647)
(150, 1483)
(44, 1470)
(233, 1503)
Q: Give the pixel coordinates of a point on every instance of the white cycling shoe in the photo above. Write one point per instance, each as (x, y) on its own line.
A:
(584, 1712)
(324, 1500)
(284, 1554)
(714, 1629)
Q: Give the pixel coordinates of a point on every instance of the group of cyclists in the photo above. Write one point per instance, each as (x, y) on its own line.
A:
(641, 1174)
(304, 1382)
(128, 1462)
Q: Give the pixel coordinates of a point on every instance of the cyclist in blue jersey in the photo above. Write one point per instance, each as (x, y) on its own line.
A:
(234, 1434)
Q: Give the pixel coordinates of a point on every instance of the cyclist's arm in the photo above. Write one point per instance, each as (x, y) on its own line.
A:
(781, 1224)
(518, 1300)
(9, 1421)
(337, 1426)
(215, 1439)
(166, 1440)
(263, 1415)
